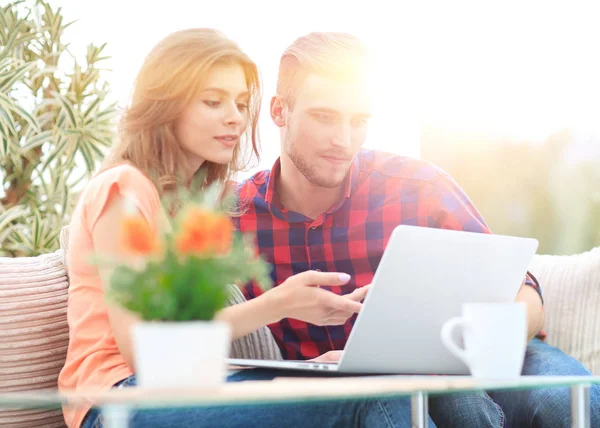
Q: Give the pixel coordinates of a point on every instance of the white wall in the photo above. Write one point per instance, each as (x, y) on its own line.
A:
(263, 29)
(522, 69)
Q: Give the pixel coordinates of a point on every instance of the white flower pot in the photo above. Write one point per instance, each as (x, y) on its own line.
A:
(181, 355)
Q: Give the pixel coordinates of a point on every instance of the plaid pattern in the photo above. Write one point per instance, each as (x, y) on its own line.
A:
(382, 191)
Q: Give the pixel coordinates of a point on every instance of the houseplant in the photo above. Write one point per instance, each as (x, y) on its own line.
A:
(56, 120)
(176, 280)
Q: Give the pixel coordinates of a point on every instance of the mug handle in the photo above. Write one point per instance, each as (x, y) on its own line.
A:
(446, 335)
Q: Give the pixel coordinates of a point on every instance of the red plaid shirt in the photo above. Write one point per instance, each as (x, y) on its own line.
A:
(382, 191)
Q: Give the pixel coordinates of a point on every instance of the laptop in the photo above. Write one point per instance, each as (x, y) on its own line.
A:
(423, 279)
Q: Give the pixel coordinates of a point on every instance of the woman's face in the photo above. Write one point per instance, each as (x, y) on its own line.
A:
(211, 125)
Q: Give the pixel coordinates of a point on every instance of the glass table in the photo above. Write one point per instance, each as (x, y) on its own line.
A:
(117, 403)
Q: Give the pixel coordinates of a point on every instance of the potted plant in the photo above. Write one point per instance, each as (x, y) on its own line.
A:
(180, 283)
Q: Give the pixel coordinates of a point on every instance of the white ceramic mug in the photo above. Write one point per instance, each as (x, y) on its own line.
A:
(495, 338)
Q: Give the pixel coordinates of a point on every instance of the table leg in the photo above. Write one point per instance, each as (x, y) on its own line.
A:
(580, 406)
(115, 416)
(419, 412)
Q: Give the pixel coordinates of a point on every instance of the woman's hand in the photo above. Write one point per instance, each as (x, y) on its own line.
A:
(300, 297)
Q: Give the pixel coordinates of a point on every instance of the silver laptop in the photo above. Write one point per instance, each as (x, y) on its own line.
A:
(424, 277)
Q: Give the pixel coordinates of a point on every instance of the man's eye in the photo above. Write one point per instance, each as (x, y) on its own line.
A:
(325, 118)
(360, 121)
(211, 103)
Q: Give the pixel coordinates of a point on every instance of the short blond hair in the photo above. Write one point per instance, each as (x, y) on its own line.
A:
(339, 55)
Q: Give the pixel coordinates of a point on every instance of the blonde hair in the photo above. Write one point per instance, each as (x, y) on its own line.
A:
(168, 81)
(339, 55)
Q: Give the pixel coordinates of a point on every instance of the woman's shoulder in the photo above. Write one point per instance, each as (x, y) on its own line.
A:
(125, 176)
(125, 180)
(122, 173)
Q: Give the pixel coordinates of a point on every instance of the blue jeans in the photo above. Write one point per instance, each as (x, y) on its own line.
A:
(546, 407)
(349, 413)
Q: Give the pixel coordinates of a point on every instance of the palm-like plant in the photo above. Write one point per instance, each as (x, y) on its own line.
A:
(55, 124)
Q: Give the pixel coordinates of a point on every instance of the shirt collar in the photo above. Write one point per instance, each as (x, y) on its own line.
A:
(272, 199)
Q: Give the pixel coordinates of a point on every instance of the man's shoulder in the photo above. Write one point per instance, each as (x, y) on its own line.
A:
(254, 184)
(399, 167)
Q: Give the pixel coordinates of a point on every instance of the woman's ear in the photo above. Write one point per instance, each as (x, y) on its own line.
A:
(278, 111)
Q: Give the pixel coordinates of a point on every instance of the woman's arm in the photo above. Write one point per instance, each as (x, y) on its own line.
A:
(298, 297)
(246, 317)
(105, 239)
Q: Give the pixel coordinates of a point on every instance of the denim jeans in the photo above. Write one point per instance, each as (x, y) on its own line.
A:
(546, 407)
(348, 413)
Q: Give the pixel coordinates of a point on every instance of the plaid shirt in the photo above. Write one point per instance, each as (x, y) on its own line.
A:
(382, 191)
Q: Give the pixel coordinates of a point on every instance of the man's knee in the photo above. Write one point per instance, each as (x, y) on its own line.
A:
(542, 359)
(549, 407)
(474, 409)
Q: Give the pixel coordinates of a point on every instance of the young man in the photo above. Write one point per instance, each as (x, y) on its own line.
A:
(328, 205)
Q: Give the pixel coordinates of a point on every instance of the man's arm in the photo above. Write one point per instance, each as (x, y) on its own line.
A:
(529, 295)
(449, 207)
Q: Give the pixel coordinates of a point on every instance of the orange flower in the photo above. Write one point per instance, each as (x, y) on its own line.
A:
(222, 234)
(137, 237)
(202, 231)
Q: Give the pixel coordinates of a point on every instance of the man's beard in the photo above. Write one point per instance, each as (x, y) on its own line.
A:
(310, 172)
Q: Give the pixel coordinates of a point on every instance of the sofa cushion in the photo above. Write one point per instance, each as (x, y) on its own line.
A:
(571, 290)
(34, 334)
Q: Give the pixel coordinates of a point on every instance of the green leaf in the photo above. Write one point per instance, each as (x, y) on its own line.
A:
(25, 115)
(58, 150)
(88, 157)
(50, 239)
(36, 229)
(11, 215)
(89, 79)
(3, 23)
(107, 115)
(5, 140)
(7, 81)
(64, 200)
(4, 146)
(68, 109)
(93, 53)
(95, 149)
(6, 106)
(102, 142)
(37, 140)
(9, 42)
(91, 108)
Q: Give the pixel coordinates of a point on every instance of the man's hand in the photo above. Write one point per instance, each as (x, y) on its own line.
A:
(300, 297)
(328, 357)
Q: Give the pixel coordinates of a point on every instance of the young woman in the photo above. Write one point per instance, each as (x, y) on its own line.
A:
(194, 110)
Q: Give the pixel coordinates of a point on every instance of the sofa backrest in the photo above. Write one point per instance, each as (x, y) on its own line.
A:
(571, 291)
(34, 333)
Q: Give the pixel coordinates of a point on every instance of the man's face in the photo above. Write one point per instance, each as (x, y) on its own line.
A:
(325, 128)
